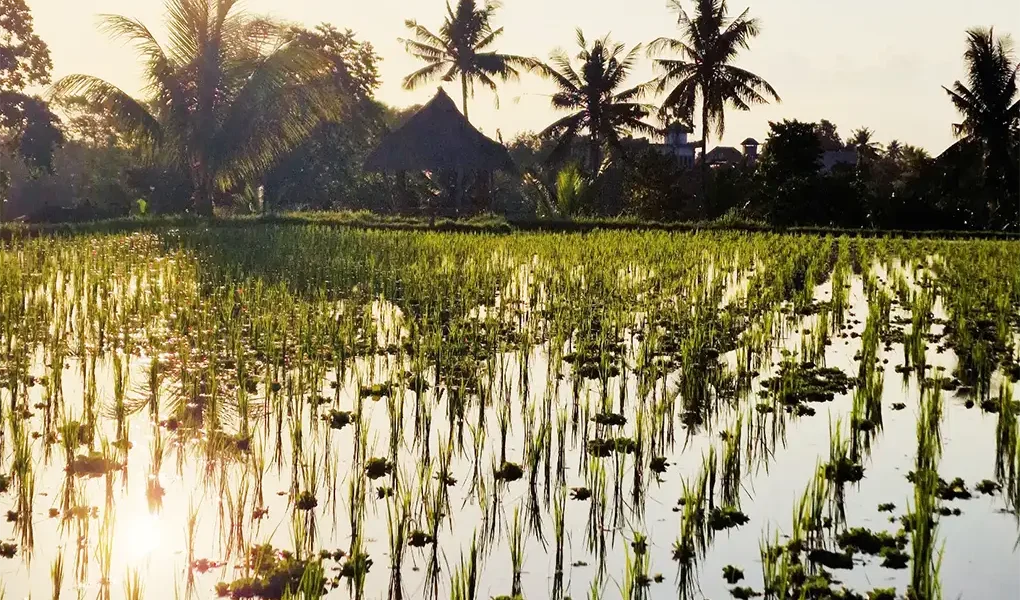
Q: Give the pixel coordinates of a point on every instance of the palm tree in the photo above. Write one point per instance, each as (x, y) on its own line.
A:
(462, 49)
(704, 73)
(860, 139)
(991, 115)
(894, 151)
(227, 97)
(593, 94)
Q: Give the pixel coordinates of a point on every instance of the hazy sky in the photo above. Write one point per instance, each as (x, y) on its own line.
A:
(874, 63)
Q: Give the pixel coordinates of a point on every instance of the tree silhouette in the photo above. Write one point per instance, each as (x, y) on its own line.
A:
(26, 122)
(704, 74)
(462, 48)
(990, 127)
(861, 139)
(228, 96)
(593, 93)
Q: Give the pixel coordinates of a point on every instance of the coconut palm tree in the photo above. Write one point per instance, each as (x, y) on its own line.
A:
(991, 111)
(894, 151)
(227, 97)
(595, 94)
(462, 48)
(861, 139)
(704, 74)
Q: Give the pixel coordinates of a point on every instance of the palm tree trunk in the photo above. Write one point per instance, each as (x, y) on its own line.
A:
(593, 156)
(202, 197)
(462, 178)
(704, 157)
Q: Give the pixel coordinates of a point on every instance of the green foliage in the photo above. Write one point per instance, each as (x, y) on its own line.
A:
(571, 188)
(990, 129)
(228, 126)
(595, 95)
(463, 48)
(27, 125)
(710, 41)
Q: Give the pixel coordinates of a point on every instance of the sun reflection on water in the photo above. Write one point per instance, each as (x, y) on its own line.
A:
(138, 535)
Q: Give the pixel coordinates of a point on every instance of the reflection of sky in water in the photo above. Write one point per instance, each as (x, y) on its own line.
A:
(980, 556)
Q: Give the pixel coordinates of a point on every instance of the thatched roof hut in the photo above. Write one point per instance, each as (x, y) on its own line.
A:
(438, 138)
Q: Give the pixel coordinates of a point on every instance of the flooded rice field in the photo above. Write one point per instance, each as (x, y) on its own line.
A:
(298, 412)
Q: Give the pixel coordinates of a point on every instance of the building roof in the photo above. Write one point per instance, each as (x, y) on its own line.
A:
(678, 126)
(724, 155)
(750, 142)
(437, 138)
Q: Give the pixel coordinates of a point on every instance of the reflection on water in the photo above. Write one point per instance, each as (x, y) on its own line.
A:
(138, 532)
(602, 416)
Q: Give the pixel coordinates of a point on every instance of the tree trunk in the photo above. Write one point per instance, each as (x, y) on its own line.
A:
(593, 156)
(202, 198)
(464, 94)
(704, 157)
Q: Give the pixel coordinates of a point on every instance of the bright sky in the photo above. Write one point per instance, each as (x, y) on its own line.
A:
(874, 63)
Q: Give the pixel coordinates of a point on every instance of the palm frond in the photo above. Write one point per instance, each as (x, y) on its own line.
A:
(423, 75)
(285, 99)
(424, 35)
(128, 112)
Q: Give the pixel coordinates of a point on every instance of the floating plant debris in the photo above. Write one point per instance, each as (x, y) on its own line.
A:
(726, 517)
(606, 447)
(859, 539)
(357, 566)
(844, 471)
(419, 539)
(92, 465)
(378, 467)
(831, 560)
(509, 471)
(988, 487)
(338, 419)
(611, 419)
(732, 574)
(580, 493)
(275, 574)
(306, 501)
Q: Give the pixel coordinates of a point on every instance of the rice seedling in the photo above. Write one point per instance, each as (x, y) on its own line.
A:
(334, 371)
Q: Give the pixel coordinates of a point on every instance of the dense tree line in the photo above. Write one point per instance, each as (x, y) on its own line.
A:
(247, 114)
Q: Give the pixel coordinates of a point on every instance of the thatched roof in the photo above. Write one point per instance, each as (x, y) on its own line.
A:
(437, 138)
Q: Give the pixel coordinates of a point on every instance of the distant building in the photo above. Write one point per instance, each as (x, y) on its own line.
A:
(677, 144)
(686, 151)
(750, 146)
(724, 156)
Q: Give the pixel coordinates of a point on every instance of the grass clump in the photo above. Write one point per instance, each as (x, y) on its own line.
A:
(726, 517)
(274, 575)
(844, 470)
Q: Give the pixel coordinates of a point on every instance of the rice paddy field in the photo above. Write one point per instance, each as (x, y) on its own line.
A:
(298, 411)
